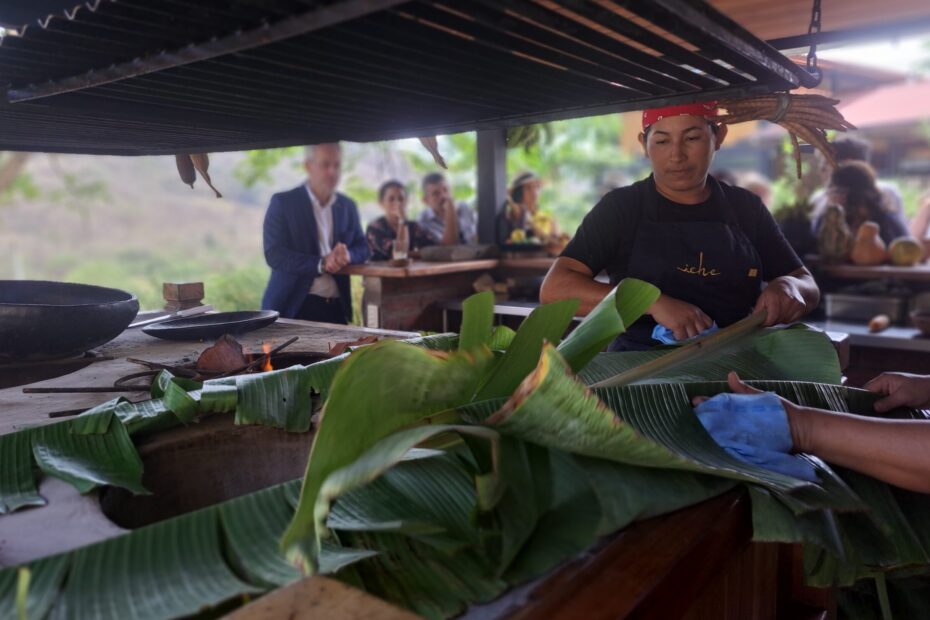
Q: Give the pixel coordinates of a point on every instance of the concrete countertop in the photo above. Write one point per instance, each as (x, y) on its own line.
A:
(897, 338)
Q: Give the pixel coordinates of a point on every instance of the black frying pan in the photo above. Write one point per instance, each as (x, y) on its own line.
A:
(48, 320)
(211, 326)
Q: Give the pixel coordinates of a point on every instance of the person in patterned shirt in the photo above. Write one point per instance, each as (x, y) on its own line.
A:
(382, 233)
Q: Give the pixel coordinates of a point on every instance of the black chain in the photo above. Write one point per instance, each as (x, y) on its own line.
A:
(812, 30)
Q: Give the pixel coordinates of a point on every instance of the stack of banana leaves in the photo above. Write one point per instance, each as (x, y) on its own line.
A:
(447, 469)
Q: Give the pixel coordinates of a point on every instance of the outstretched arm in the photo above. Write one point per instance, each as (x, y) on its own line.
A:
(895, 451)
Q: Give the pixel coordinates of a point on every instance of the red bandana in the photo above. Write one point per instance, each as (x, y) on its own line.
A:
(708, 110)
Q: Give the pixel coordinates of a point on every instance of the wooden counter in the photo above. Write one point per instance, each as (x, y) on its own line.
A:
(917, 273)
(409, 297)
(418, 268)
(19, 409)
(696, 563)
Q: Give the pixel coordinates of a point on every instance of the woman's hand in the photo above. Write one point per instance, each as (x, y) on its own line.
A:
(685, 320)
(783, 300)
(900, 389)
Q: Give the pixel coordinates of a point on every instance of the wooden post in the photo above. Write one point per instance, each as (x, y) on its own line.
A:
(492, 180)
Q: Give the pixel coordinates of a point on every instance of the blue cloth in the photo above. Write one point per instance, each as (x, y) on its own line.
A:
(667, 336)
(292, 249)
(754, 429)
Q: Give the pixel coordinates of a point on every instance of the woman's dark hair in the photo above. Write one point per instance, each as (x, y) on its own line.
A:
(388, 185)
(516, 194)
(857, 179)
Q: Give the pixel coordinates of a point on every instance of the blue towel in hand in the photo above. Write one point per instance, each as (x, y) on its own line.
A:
(666, 336)
(754, 429)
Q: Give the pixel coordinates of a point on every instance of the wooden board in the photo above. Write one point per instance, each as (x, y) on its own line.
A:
(541, 262)
(319, 598)
(917, 273)
(18, 410)
(418, 268)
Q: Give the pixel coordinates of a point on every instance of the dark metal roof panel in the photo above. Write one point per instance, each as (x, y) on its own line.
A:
(165, 76)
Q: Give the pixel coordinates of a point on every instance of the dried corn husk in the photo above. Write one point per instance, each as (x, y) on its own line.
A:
(807, 117)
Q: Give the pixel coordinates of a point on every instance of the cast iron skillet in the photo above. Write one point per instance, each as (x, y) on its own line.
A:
(210, 326)
(48, 320)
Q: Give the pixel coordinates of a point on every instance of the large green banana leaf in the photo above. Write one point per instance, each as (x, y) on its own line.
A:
(796, 353)
(628, 301)
(378, 390)
(434, 518)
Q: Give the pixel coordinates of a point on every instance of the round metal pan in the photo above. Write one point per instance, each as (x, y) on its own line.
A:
(47, 320)
(212, 326)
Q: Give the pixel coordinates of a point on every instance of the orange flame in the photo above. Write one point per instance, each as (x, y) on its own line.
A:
(266, 366)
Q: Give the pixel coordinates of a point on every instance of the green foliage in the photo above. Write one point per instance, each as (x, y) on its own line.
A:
(22, 186)
(257, 167)
(239, 288)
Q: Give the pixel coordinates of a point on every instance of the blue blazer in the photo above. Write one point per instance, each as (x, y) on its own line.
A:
(292, 249)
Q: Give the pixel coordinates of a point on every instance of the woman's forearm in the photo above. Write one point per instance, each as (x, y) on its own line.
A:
(567, 279)
(895, 451)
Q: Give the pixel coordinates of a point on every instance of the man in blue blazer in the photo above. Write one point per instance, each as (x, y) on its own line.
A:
(310, 233)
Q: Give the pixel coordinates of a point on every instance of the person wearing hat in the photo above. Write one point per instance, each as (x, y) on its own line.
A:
(713, 250)
(520, 219)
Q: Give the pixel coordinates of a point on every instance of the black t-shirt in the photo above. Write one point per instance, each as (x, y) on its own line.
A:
(604, 241)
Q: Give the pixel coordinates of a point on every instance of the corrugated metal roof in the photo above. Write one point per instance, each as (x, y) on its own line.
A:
(163, 76)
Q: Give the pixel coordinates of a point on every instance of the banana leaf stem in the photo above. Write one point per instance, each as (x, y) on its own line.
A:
(699, 347)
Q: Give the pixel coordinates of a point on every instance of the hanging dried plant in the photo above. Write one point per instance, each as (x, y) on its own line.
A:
(807, 117)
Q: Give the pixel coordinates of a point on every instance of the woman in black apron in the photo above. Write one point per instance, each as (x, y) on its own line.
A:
(713, 250)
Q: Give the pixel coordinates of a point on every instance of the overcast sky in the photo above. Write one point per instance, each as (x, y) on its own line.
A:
(902, 55)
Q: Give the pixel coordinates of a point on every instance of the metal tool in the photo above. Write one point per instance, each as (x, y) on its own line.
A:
(176, 315)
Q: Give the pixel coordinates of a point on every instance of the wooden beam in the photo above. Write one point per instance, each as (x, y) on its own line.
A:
(310, 21)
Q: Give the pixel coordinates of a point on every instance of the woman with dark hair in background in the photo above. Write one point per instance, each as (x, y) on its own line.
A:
(520, 219)
(393, 225)
(853, 185)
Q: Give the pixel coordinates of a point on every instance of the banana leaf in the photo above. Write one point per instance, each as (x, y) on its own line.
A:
(501, 338)
(456, 521)
(477, 321)
(796, 353)
(169, 569)
(279, 399)
(544, 324)
(628, 301)
(382, 456)
(253, 525)
(17, 478)
(567, 526)
(45, 577)
(378, 390)
(174, 392)
(89, 451)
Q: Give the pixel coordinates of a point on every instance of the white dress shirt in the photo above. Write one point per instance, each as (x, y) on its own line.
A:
(324, 285)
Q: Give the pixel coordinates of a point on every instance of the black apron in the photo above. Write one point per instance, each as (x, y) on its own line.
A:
(711, 265)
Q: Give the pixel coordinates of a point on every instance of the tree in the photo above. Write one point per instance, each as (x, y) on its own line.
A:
(11, 166)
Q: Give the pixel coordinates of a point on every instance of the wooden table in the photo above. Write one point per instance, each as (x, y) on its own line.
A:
(18, 409)
(409, 297)
(917, 273)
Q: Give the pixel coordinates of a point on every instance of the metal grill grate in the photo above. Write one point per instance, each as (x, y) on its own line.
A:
(166, 76)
